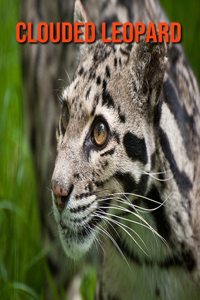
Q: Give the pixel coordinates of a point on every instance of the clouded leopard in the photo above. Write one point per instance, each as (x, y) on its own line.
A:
(127, 170)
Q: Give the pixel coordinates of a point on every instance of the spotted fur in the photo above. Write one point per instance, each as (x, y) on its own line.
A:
(137, 196)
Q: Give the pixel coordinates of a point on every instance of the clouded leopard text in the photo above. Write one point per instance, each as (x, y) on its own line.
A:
(66, 32)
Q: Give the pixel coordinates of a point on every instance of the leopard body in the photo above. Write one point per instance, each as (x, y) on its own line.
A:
(137, 196)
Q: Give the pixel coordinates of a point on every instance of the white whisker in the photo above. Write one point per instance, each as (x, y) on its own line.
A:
(158, 179)
(114, 242)
(121, 225)
(67, 75)
(146, 224)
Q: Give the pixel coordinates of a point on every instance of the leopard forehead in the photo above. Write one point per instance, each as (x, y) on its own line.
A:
(103, 85)
(102, 66)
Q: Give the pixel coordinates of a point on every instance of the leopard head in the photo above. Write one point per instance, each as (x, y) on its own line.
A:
(106, 141)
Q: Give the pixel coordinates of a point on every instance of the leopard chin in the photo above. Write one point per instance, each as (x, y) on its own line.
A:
(75, 244)
(77, 235)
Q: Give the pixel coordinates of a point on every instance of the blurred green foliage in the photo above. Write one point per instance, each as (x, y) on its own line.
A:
(186, 12)
(23, 268)
(88, 283)
(22, 263)
(20, 238)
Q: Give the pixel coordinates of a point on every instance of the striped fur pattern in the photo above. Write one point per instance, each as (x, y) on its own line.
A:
(137, 196)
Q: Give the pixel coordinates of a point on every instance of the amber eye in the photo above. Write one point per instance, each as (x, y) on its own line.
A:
(100, 133)
(65, 116)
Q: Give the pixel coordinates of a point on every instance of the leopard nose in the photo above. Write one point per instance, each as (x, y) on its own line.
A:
(61, 195)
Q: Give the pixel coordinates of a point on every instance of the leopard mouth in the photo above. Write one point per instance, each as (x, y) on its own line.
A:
(80, 234)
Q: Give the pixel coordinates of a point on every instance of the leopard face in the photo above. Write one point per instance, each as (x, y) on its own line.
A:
(106, 144)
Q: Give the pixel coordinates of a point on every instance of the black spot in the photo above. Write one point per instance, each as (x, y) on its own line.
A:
(188, 258)
(98, 80)
(104, 85)
(124, 52)
(129, 47)
(135, 147)
(109, 152)
(121, 116)
(80, 208)
(80, 72)
(95, 57)
(88, 92)
(107, 71)
(115, 62)
(116, 136)
(142, 184)
(134, 88)
(100, 183)
(181, 178)
(106, 163)
(153, 161)
(103, 166)
(170, 262)
(160, 216)
(107, 99)
(92, 75)
(161, 177)
(90, 187)
(112, 45)
(177, 217)
(120, 62)
(127, 181)
(107, 54)
(100, 54)
(92, 223)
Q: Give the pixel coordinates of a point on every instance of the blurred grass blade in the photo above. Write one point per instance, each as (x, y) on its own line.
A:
(43, 253)
(23, 288)
(3, 272)
(51, 283)
(5, 204)
(4, 110)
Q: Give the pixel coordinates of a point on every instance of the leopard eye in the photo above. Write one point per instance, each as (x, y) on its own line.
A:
(65, 116)
(100, 133)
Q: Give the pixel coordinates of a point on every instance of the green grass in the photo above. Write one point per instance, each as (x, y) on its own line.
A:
(23, 268)
(187, 14)
(20, 235)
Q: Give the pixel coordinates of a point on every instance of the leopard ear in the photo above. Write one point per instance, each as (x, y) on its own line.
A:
(149, 64)
(80, 15)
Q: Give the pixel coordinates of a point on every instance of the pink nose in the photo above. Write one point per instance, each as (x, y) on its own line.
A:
(60, 195)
